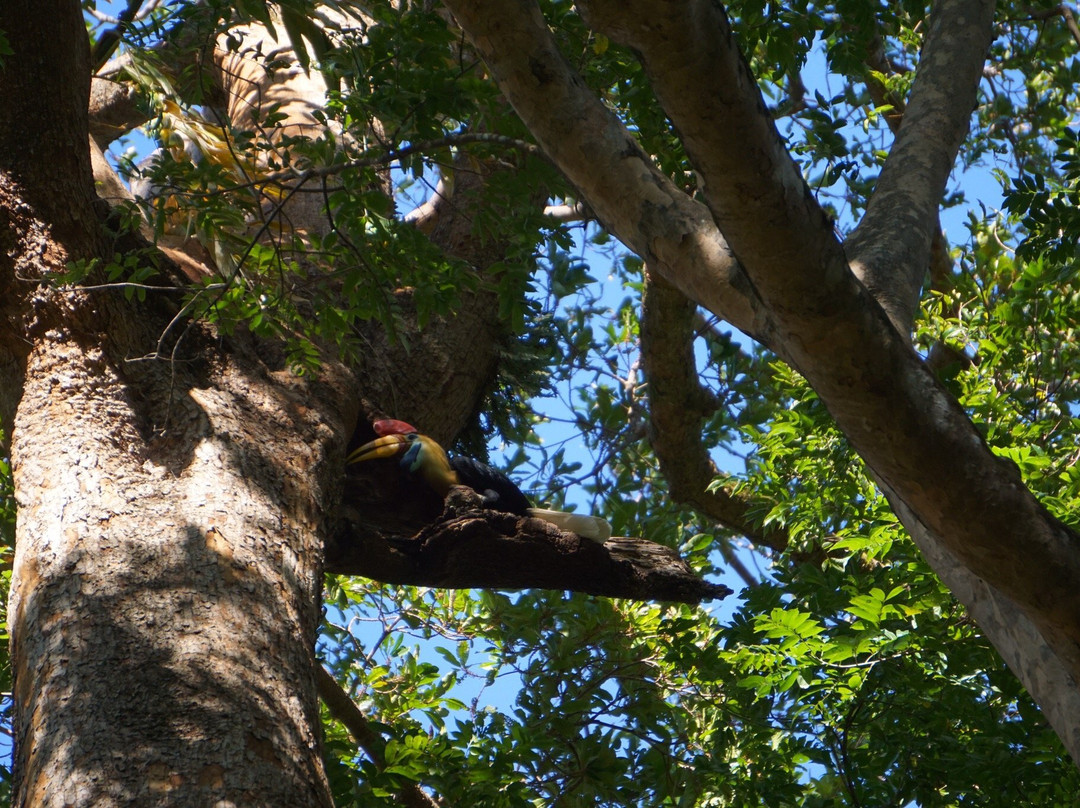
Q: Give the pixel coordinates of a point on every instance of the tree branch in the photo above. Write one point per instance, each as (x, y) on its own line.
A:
(940, 261)
(114, 110)
(470, 547)
(753, 188)
(342, 708)
(890, 249)
(677, 406)
(1048, 679)
(881, 97)
(425, 216)
(913, 435)
(628, 194)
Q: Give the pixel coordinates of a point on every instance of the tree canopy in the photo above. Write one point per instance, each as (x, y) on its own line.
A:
(786, 292)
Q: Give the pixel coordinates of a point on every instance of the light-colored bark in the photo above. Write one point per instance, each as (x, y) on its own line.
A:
(754, 189)
(909, 430)
(891, 248)
(1046, 674)
(165, 588)
(627, 193)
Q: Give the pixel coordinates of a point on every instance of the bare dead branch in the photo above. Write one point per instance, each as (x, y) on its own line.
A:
(469, 547)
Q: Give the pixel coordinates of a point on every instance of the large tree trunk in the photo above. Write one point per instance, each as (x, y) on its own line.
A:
(165, 592)
(168, 586)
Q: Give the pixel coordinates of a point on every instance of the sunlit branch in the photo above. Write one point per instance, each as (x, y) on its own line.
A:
(630, 196)
(565, 214)
(890, 249)
(940, 261)
(424, 216)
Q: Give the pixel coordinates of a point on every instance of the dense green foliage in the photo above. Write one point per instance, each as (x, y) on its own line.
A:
(846, 674)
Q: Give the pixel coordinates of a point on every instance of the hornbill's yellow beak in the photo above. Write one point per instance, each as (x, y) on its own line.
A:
(386, 446)
(420, 456)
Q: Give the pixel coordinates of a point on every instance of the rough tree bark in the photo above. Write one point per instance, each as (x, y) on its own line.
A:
(167, 566)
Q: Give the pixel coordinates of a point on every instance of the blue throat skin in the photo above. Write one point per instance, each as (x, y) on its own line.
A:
(411, 460)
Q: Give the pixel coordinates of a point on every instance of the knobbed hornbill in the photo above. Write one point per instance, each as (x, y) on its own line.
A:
(424, 458)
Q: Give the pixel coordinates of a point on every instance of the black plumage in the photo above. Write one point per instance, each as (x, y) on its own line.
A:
(498, 490)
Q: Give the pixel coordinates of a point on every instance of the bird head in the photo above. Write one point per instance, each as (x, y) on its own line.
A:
(420, 455)
(389, 445)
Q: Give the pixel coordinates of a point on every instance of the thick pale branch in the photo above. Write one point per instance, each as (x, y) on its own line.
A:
(890, 249)
(1046, 675)
(940, 260)
(602, 159)
(751, 184)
